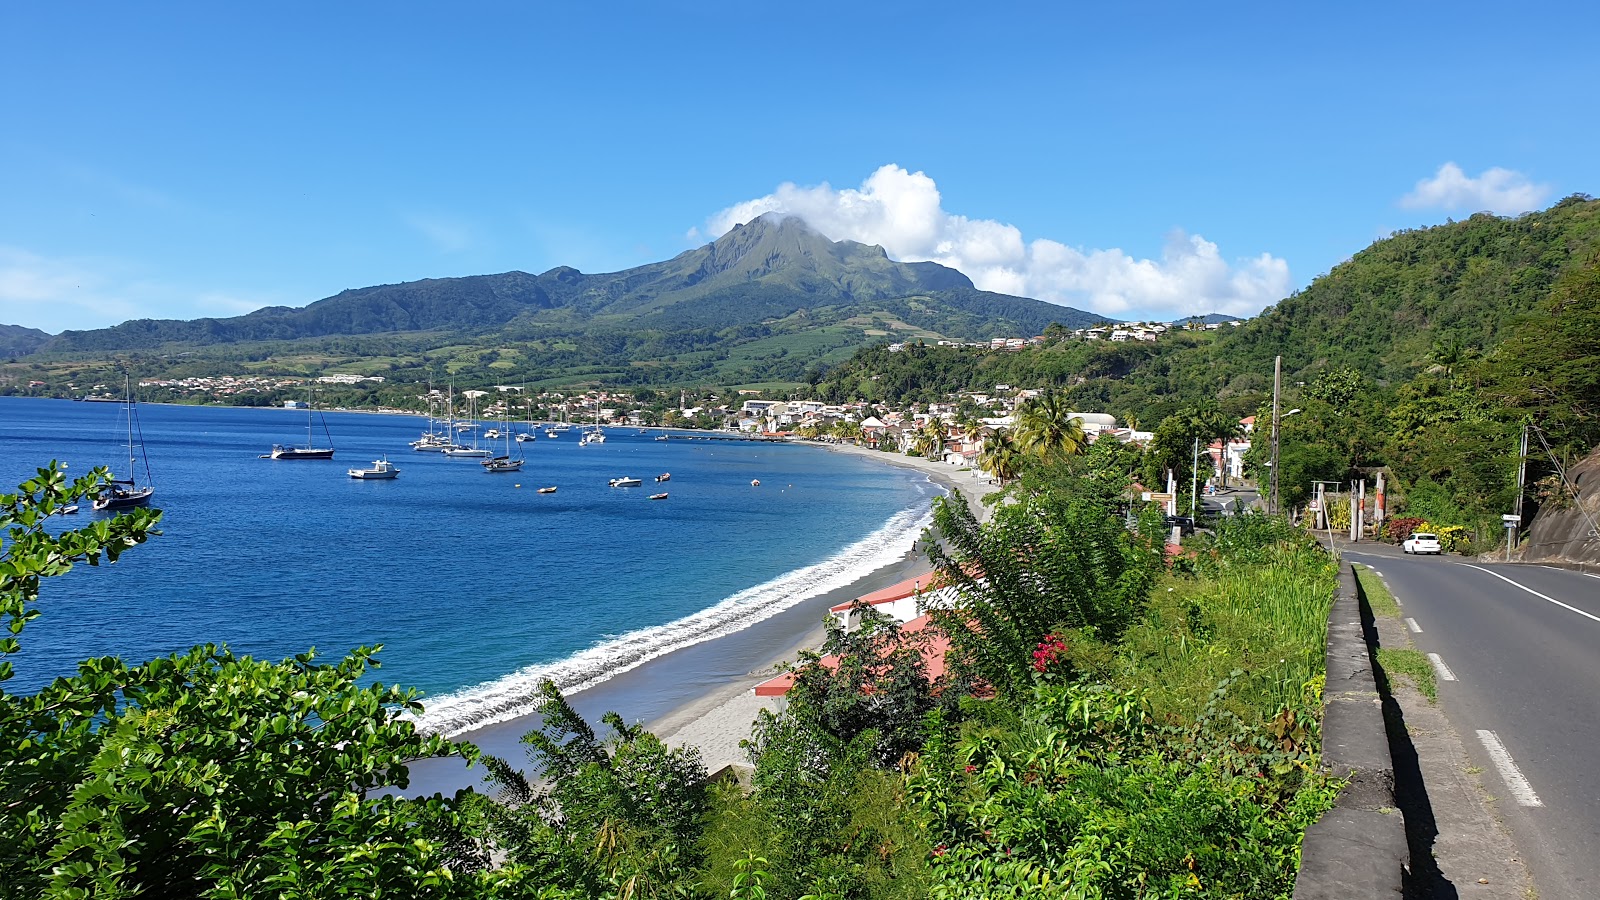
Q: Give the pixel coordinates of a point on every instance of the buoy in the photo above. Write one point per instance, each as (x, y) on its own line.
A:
(755, 482)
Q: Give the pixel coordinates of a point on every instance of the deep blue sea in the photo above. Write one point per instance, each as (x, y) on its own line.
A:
(476, 585)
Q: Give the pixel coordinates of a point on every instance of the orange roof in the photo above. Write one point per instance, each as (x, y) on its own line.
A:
(933, 652)
(891, 593)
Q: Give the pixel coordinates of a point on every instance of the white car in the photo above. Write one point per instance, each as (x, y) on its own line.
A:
(1421, 542)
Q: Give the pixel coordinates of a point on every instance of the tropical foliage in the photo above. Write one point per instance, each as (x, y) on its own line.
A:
(1108, 760)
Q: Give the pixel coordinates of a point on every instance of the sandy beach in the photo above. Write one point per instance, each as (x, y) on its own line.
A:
(704, 695)
(718, 720)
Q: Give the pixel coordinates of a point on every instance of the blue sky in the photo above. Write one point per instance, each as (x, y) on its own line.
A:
(182, 160)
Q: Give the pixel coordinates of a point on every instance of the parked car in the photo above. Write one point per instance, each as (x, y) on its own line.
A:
(1421, 542)
(1184, 523)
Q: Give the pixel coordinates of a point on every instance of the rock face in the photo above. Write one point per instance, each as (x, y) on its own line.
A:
(1568, 535)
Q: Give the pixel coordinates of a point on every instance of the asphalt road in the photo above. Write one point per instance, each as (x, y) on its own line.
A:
(1523, 646)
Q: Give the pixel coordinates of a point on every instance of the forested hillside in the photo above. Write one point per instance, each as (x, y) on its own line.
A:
(18, 341)
(1425, 355)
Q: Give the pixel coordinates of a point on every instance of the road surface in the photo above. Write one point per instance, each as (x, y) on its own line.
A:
(1516, 649)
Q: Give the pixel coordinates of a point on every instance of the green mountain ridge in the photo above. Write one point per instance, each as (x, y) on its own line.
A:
(16, 340)
(767, 269)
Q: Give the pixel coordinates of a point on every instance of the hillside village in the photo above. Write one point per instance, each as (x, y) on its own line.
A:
(964, 424)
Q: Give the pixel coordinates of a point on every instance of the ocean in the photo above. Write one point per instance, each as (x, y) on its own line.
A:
(476, 585)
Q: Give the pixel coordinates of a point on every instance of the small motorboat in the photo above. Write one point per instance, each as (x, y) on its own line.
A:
(660, 496)
(625, 482)
(68, 510)
(381, 469)
(755, 482)
(548, 490)
(664, 476)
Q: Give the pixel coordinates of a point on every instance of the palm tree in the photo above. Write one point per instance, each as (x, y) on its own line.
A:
(1001, 456)
(929, 441)
(1047, 429)
(1209, 423)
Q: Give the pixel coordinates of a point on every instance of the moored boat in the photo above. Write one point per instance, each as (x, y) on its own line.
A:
(310, 450)
(625, 482)
(548, 490)
(664, 476)
(660, 496)
(381, 469)
(126, 493)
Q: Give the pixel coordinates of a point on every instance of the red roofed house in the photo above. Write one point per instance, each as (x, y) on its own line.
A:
(901, 602)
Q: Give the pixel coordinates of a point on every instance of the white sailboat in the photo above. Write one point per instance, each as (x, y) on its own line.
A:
(594, 435)
(474, 452)
(125, 493)
(504, 463)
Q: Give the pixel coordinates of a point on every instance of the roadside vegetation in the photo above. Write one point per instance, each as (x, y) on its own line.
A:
(1396, 662)
(1112, 723)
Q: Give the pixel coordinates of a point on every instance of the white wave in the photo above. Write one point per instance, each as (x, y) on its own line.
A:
(512, 695)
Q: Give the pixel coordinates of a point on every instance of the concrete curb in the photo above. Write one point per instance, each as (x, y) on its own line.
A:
(1358, 848)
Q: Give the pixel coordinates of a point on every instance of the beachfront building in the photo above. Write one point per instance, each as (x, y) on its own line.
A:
(905, 604)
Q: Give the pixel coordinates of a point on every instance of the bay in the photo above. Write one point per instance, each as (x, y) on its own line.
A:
(475, 585)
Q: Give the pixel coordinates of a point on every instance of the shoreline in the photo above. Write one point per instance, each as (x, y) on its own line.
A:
(704, 695)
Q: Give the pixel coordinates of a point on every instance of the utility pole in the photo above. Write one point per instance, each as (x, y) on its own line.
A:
(1194, 479)
(1522, 475)
(1277, 382)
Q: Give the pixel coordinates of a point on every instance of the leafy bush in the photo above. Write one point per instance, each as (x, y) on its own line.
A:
(1400, 529)
(206, 774)
(1044, 563)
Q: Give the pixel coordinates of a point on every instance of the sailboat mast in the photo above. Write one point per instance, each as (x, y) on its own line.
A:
(127, 393)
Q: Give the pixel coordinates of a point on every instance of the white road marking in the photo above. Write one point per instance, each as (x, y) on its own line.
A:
(1440, 667)
(1415, 628)
(1520, 788)
(1534, 592)
(1377, 573)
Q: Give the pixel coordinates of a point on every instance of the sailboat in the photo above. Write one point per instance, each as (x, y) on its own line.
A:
(471, 424)
(504, 463)
(125, 493)
(310, 450)
(594, 435)
(433, 441)
(532, 434)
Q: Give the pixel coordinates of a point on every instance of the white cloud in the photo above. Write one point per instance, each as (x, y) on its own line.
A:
(902, 212)
(447, 235)
(1497, 190)
(57, 294)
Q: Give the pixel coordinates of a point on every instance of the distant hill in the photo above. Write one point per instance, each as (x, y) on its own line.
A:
(16, 340)
(765, 270)
(1207, 319)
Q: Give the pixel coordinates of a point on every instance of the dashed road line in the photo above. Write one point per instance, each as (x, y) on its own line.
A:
(1501, 757)
(1440, 667)
(1412, 624)
(1534, 592)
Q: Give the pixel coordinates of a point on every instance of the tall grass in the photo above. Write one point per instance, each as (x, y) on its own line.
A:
(1260, 625)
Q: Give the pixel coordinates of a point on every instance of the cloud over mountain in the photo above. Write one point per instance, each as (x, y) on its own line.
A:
(902, 212)
(1502, 191)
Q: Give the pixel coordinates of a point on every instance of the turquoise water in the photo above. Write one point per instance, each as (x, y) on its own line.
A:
(476, 585)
